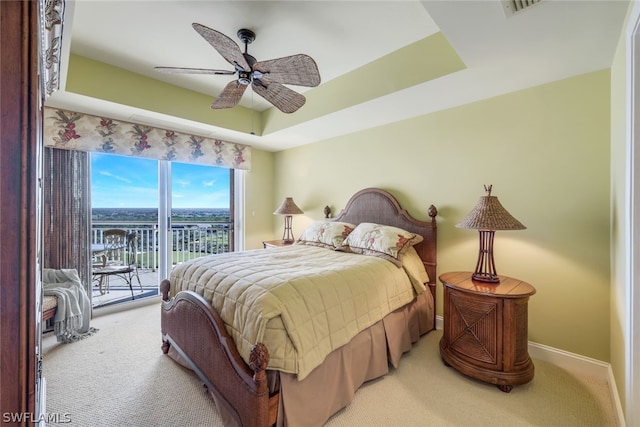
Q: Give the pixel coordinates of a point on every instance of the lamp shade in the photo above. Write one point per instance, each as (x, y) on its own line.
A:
(488, 214)
(288, 207)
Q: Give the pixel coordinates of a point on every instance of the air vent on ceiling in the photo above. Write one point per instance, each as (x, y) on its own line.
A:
(511, 7)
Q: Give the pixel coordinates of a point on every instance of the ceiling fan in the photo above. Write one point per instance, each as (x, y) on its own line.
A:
(267, 78)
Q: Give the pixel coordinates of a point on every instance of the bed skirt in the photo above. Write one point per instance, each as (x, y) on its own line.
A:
(332, 385)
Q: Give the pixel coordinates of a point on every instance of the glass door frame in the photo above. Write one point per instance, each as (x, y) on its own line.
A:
(165, 261)
(165, 236)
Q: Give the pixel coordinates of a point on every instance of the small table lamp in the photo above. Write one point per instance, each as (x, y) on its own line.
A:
(288, 208)
(487, 217)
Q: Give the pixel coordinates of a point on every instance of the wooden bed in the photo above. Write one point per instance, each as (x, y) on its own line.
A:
(246, 392)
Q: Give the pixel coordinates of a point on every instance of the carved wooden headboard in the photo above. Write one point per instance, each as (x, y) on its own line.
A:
(380, 207)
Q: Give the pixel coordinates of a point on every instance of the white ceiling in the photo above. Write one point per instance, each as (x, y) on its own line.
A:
(551, 40)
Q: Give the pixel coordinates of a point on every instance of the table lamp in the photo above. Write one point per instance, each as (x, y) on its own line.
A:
(487, 217)
(288, 208)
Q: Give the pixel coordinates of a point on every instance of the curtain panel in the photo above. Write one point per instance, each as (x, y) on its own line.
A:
(66, 212)
(83, 132)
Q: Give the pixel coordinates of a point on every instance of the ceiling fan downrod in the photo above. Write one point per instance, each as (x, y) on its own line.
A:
(247, 36)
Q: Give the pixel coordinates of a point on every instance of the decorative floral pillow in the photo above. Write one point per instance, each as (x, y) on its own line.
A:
(327, 234)
(382, 241)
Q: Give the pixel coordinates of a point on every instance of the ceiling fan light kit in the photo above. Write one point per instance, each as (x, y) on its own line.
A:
(267, 78)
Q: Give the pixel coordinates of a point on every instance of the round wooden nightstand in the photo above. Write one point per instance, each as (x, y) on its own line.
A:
(274, 243)
(485, 329)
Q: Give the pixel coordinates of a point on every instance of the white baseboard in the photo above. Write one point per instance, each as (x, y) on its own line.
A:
(576, 364)
(616, 398)
(439, 321)
(114, 308)
(580, 365)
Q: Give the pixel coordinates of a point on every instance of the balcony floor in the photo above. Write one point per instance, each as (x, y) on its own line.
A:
(119, 290)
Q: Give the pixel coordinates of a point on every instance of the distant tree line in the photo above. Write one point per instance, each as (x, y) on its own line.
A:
(122, 215)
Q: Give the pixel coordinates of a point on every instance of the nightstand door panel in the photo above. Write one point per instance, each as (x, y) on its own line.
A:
(475, 329)
(517, 357)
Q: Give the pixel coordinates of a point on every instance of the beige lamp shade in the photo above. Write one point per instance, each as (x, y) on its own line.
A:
(288, 207)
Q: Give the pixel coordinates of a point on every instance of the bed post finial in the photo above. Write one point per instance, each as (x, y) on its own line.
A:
(327, 212)
(433, 212)
(165, 288)
(258, 361)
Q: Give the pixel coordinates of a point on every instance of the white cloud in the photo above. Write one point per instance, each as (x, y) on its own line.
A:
(117, 177)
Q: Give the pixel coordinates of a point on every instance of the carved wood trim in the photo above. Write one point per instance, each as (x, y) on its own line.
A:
(51, 16)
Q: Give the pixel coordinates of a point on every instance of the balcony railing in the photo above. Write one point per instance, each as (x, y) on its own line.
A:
(189, 240)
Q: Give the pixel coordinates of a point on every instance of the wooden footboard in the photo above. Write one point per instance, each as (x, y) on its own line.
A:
(196, 332)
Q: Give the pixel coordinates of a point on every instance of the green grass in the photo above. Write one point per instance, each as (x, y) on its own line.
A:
(177, 256)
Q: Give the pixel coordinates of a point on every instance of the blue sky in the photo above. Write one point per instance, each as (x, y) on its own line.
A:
(131, 182)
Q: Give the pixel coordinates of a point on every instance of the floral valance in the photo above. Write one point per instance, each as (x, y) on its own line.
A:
(83, 132)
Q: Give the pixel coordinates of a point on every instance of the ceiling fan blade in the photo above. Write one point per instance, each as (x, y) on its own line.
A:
(230, 96)
(181, 70)
(300, 70)
(224, 45)
(283, 98)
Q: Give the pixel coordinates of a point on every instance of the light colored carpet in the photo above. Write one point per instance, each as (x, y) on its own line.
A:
(119, 377)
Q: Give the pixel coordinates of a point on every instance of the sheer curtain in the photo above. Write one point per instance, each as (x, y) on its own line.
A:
(67, 212)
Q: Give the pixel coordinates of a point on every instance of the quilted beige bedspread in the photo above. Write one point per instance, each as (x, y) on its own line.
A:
(302, 302)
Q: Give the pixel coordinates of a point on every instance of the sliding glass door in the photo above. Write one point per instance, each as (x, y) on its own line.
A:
(179, 211)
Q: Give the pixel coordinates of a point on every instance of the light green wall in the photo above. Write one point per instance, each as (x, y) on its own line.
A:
(619, 226)
(258, 205)
(546, 152)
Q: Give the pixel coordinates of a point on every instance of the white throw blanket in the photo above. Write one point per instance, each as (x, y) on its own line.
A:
(71, 321)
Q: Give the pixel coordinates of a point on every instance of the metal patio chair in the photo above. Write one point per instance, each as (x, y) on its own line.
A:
(119, 258)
